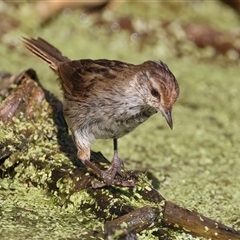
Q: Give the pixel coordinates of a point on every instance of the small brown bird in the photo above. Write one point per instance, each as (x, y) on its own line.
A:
(108, 99)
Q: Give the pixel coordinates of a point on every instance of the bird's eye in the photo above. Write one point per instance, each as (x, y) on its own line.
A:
(155, 93)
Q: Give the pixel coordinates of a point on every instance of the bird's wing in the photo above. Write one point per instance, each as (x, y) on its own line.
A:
(82, 76)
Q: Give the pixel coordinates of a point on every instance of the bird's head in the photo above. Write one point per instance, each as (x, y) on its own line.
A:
(161, 88)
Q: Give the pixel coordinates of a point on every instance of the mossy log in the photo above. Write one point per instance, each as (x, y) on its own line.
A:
(35, 148)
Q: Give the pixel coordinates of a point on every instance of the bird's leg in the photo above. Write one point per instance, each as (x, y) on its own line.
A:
(117, 164)
(84, 156)
(115, 167)
(107, 176)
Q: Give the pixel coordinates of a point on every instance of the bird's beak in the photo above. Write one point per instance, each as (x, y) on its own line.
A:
(168, 116)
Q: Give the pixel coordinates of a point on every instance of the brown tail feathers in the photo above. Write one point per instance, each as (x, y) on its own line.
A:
(45, 51)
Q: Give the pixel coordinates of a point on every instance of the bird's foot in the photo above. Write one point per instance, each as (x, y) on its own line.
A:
(115, 182)
(116, 167)
(110, 176)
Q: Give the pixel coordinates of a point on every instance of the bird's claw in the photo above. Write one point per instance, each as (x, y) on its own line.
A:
(115, 182)
(109, 176)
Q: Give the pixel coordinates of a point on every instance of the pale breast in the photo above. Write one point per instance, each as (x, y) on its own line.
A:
(106, 117)
(118, 126)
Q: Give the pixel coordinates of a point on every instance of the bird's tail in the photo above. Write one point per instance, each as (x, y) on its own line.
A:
(45, 51)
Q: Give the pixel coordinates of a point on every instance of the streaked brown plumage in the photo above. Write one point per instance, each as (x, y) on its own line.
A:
(108, 99)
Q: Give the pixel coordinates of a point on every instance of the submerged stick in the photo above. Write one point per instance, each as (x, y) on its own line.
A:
(177, 217)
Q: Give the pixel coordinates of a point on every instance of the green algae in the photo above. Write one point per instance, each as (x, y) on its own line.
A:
(29, 213)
